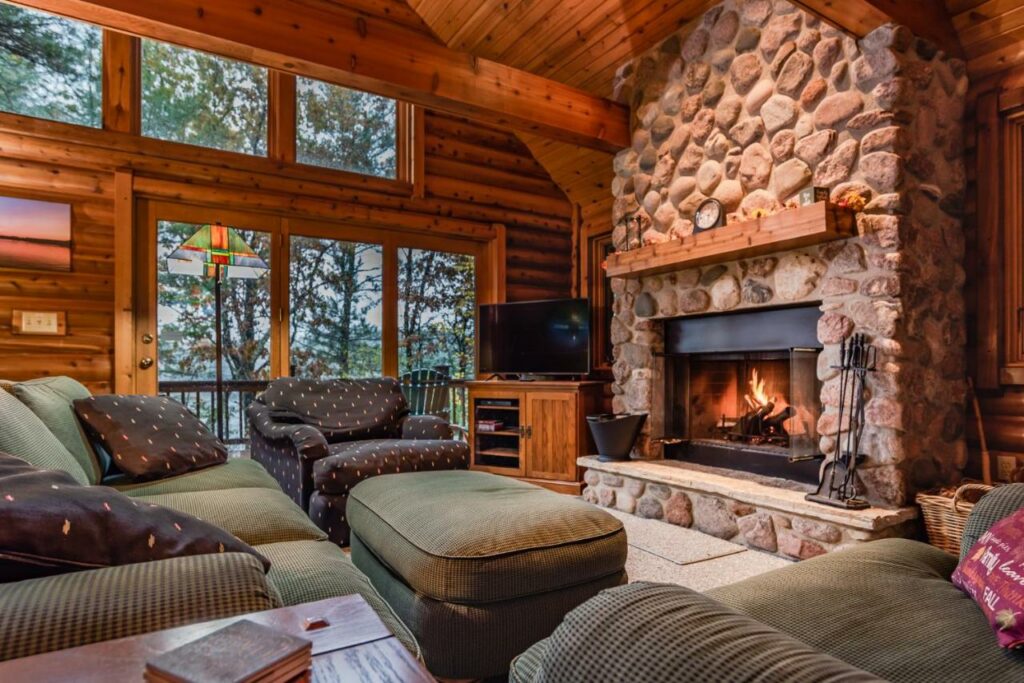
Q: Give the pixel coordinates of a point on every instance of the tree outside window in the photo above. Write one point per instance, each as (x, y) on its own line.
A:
(345, 129)
(50, 67)
(201, 99)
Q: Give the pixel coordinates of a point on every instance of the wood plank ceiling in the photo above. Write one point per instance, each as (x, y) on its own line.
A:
(577, 42)
(991, 32)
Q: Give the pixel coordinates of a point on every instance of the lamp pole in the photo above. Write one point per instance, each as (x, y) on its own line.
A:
(217, 342)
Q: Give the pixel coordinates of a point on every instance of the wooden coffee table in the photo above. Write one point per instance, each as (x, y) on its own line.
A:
(354, 646)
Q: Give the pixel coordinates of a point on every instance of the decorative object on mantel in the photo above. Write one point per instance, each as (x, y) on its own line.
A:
(48, 323)
(813, 195)
(614, 435)
(709, 215)
(837, 482)
(802, 227)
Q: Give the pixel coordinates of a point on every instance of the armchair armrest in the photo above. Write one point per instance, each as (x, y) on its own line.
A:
(425, 427)
(307, 441)
(667, 632)
(68, 610)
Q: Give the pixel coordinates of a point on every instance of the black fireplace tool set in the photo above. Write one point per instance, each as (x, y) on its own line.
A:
(837, 480)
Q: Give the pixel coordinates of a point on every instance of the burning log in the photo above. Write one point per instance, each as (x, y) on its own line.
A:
(776, 422)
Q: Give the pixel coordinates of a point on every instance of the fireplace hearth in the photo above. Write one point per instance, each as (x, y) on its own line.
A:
(742, 391)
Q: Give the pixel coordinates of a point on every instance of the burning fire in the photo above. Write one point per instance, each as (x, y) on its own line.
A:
(758, 396)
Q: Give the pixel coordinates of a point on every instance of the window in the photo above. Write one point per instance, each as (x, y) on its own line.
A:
(436, 311)
(201, 99)
(345, 129)
(50, 67)
(335, 311)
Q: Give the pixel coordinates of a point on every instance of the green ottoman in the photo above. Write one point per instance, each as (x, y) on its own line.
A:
(480, 567)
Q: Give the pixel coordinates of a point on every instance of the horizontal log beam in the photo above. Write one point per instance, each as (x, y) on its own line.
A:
(926, 18)
(339, 46)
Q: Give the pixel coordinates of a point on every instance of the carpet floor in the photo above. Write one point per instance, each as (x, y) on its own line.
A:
(665, 553)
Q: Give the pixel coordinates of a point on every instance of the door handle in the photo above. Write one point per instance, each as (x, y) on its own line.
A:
(146, 363)
(529, 431)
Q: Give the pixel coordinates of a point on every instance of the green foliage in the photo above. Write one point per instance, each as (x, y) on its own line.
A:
(201, 99)
(437, 311)
(345, 129)
(50, 67)
(335, 308)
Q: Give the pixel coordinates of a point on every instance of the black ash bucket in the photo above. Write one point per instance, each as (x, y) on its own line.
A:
(615, 435)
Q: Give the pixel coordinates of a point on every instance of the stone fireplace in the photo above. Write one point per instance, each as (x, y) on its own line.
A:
(755, 103)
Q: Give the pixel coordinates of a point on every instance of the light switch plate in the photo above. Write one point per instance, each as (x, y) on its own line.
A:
(1005, 465)
(51, 323)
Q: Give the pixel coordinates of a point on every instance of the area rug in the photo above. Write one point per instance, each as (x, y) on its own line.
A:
(674, 543)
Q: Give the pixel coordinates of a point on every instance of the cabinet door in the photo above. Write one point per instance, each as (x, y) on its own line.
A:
(552, 435)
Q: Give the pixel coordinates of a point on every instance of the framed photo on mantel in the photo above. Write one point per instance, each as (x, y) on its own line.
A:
(35, 235)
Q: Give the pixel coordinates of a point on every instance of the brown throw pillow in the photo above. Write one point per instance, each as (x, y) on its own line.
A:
(149, 437)
(51, 524)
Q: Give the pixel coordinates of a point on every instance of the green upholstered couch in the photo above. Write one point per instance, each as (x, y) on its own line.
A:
(884, 610)
(57, 612)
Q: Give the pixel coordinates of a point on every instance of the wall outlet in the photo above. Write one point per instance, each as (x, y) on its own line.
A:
(1005, 465)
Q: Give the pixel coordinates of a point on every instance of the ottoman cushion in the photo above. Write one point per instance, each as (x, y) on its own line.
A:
(472, 537)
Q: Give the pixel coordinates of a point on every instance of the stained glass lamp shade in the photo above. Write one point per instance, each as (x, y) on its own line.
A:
(214, 247)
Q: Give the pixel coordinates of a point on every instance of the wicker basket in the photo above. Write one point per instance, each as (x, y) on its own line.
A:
(945, 517)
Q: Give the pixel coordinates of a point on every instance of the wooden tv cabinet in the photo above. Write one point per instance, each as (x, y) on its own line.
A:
(543, 432)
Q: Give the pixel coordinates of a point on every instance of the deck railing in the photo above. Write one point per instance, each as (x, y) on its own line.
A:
(200, 397)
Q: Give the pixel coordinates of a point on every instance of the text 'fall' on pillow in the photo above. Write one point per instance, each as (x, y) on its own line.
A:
(51, 524)
(992, 573)
(149, 437)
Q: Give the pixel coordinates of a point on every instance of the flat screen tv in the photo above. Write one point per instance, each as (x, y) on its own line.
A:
(535, 338)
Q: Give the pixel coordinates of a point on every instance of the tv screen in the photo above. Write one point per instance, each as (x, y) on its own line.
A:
(536, 338)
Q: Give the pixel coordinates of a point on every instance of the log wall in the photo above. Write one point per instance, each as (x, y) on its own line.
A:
(475, 176)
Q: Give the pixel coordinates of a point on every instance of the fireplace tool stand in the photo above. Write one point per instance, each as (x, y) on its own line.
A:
(837, 479)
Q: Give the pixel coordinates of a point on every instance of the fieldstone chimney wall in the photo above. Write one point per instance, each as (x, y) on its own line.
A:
(759, 102)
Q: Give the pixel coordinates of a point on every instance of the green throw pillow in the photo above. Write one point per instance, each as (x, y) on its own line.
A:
(50, 399)
(25, 436)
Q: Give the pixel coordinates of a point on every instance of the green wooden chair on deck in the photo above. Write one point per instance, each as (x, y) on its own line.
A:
(427, 392)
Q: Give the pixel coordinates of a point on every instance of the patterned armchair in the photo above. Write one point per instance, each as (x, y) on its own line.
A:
(319, 438)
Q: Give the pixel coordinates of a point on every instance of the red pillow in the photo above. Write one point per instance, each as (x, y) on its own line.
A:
(992, 573)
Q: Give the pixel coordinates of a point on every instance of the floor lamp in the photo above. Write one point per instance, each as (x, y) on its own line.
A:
(217, 251)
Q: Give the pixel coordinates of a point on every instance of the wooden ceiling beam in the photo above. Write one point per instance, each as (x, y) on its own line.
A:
(367, 53)
(926, 18)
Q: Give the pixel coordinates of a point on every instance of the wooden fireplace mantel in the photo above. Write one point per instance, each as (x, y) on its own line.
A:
(795, 228)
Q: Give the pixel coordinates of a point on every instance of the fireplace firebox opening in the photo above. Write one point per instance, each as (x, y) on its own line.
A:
(742, 391)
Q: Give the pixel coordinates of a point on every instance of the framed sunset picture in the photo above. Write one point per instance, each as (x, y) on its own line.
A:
(35, 235)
